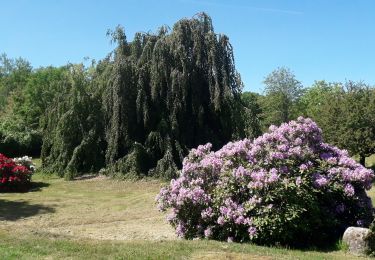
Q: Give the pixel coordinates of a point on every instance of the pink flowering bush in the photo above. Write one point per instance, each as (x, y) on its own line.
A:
(286, 187)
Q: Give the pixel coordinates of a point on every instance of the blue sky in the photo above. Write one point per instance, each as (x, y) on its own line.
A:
(317, 39)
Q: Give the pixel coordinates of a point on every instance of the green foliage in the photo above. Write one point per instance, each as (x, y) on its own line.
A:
(341, 245)
(252, 114)
(133, 165)
(26, 95)
(322, 102)
(359, 120)
(38, 93)
(13, 76)
(283, 92)
(73, 128)
(346, 114)
(164, 92)
(166, 168)
(17, 138)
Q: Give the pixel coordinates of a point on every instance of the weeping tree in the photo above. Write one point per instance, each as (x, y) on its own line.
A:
(73, 128)
(160, 95)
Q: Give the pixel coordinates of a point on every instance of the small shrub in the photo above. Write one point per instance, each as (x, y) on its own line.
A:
(25, 161)
(15, 174)
(286, 187)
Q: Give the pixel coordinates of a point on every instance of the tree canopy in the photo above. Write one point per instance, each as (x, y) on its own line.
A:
(151, 99)
(283, 92)
(346, 114)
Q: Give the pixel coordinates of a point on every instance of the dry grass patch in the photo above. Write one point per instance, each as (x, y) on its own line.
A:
(92, 208)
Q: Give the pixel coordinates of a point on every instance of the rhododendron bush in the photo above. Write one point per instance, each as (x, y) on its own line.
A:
(15, 174)
(286, 187)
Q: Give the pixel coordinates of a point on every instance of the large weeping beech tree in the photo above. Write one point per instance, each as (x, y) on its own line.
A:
(160, 95)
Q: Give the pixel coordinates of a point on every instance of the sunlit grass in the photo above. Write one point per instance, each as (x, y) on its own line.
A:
(109, 219)
(370, 161)
(41, 246)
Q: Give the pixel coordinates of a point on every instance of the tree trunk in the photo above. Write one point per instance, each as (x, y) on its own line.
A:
(362, 160)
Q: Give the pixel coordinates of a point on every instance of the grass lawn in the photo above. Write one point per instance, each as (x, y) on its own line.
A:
(109, 219)
(370, 161)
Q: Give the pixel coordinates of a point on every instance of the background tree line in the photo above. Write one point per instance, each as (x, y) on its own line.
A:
(140, 109)
(344, 111)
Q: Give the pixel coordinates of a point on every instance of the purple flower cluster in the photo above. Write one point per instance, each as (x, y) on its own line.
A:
(320, 180)
(250, 190)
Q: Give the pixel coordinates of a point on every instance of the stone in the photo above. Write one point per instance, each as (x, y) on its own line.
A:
(357, 240)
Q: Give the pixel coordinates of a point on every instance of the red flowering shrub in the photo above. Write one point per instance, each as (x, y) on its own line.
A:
(14, 176)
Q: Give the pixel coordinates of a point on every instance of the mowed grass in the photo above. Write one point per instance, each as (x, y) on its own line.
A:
(94, 208)
(370, 161)
(107, 219)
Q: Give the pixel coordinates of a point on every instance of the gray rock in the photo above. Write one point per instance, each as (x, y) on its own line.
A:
(357, 240)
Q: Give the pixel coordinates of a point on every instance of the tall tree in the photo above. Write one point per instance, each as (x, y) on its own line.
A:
(16, 136)
(283, 91)
(13, 77)
(161, 95)
(359, 121)
(346, 114)
(38, 93)
(323, 103)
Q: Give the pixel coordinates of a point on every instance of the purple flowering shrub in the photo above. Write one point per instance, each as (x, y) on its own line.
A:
(286, 187)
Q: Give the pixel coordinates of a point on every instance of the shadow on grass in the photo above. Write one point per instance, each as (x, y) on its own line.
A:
(24, 188)
(37, 186)
(14, 210)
